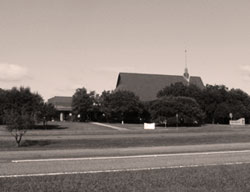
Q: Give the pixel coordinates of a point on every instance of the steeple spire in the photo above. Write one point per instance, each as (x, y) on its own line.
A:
(186, 74)
(185, 58)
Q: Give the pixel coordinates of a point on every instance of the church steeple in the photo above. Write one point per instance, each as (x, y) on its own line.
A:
(186, 74)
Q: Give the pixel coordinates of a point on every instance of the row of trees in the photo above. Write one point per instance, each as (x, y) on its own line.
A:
(111, 106)
(178, 104)
(125, 106)
(185, 105)
(20, 109)
(217, 101)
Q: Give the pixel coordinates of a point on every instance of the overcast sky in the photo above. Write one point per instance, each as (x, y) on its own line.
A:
(56, 46)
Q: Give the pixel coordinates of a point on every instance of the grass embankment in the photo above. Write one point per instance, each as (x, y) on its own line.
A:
(233, 178)
(85, 135)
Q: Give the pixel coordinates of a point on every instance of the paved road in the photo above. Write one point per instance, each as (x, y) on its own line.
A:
(69, 153)
(125, 162)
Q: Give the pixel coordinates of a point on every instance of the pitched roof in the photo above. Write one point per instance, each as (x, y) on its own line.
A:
(146, 86)
(61, 103)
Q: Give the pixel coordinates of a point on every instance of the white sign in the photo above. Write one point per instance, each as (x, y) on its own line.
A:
(149, 125)
(238, 122)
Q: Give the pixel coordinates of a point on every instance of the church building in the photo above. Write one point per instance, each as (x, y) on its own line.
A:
(146, 86)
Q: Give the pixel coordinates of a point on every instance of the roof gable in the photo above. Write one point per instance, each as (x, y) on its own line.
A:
(146, 86)
(61, 103)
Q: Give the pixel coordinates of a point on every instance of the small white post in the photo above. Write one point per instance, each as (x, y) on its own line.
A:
(61, 117)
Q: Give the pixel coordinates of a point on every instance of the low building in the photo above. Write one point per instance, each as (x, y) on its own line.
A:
(63, 107)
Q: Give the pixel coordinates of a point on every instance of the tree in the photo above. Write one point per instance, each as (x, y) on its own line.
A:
(83, 103)
(167, 108)
(179, 89)
(2, 105)
(21, 109)
(47, 112)
(120, 106)
(221, 113)
(18, 124)
(95, 113)
(239, 104)
(213, 96)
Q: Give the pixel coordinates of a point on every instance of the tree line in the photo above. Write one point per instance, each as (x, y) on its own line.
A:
(178, 103)
(216, 101)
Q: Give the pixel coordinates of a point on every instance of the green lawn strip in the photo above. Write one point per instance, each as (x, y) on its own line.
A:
(64, 128)
(230, 178)
(121, 142)
(86, 135)
(73, 128)
(203, 128)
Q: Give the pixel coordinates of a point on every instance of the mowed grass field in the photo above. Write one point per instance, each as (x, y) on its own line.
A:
(230, 178)
(87, 135)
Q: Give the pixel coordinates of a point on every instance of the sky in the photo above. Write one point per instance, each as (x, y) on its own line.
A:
(57, 46)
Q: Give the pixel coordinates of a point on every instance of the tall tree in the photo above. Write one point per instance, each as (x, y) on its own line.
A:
(83, 103)
(120, 106)
(212, 97)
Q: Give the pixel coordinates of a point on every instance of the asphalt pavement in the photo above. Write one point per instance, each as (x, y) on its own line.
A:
(16, 164)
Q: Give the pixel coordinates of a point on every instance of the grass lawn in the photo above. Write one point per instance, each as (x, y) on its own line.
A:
(230, 178)
(63, 128)
(87, 135)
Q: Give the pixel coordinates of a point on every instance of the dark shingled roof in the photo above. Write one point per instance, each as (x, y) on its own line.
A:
(146, 86)
(61, 103)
